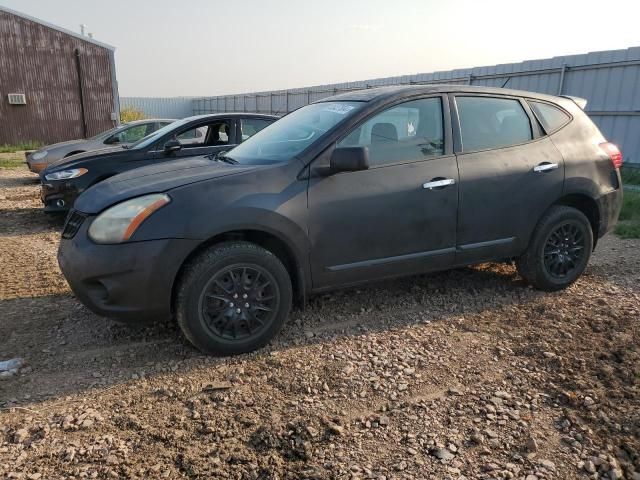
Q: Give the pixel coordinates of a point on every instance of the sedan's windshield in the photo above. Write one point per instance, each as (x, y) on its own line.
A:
(150, 139)
(105, 134)
(293, 133)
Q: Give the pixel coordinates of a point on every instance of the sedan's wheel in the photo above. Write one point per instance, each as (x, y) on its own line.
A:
(233, 298)
(559, 249)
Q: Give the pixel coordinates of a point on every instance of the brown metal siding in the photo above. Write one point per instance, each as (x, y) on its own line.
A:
(40, 62)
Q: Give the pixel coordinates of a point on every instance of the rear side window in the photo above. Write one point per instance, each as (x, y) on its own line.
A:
(551, 118)
(487, 123)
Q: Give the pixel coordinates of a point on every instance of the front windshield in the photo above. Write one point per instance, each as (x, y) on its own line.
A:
(293, 133)
(151, 138)
(105, 134)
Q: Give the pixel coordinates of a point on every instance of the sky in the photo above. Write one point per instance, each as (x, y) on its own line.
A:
(213, 47)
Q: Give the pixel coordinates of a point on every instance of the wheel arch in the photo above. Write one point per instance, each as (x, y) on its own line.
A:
(588, 206)
(268, 240)
(75, 152)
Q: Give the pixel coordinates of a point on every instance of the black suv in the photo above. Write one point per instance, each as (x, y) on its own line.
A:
(358, 187)
(65, 179)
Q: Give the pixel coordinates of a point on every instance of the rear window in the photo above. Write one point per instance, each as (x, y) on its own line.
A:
(487, 123)
(551, 118)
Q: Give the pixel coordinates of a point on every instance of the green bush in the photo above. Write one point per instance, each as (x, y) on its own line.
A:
(630, 175)
(625, 230)
(130, 114)
(629, 226)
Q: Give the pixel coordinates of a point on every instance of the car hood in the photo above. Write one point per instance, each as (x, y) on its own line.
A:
(63, 145)
(154, 179)
(81, 159)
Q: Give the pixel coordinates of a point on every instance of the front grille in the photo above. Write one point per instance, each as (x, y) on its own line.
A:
(72, 224)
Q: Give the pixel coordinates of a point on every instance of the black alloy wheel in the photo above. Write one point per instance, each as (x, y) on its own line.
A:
(233, 298)
(564, 250)
(239, 302)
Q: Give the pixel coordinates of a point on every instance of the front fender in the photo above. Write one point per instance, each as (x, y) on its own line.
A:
(270, 200)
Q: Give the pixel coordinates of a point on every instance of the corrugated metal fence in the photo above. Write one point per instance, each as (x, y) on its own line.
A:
(609, 80)
(160, 107)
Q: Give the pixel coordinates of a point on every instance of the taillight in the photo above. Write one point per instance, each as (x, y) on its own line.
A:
(614, 153)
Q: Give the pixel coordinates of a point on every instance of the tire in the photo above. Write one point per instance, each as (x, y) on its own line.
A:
(220, 305)
(551, 262)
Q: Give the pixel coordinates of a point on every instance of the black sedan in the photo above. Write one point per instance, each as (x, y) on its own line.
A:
(64, 180)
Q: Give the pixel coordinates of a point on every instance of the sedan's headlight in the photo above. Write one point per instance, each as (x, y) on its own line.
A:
(66, 174)
(118, 223)
(39, 155)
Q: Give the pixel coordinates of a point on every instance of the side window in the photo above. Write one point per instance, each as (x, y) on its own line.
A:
(551, 118)
(250, 126)
(487, 122)
(132, 134)
(406, 132)
(208, 135)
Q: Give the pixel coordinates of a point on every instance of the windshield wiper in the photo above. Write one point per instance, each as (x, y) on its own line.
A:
(221, 157)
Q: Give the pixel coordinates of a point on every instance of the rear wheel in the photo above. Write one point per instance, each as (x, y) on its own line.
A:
(559, 249)
(233, 298)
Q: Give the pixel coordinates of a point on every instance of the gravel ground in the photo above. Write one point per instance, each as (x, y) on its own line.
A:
(463, 374)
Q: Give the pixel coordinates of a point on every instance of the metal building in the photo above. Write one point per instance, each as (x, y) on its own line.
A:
(55, 84)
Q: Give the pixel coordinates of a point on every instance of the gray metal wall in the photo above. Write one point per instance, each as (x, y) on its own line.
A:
(609, 80)
(158, 107)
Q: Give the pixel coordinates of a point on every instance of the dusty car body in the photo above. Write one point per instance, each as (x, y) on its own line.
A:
(355, 188)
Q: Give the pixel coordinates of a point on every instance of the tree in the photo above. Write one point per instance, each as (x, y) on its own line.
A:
(129, 114)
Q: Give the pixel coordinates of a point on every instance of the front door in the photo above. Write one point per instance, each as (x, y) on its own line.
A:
(509, 175)
(205, 138)
(399, 216)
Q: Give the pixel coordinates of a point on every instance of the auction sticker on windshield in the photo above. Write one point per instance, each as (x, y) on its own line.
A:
(338, 108)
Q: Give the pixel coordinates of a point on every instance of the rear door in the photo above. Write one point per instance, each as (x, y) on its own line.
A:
(399, 216)
(510, 173)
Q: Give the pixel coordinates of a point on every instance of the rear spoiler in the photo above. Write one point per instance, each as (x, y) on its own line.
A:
(581, 102)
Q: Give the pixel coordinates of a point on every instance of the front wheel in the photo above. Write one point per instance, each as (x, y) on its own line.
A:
(233, 298)
(559, 249)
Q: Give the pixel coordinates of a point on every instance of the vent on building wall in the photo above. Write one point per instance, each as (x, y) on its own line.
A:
(17, 99)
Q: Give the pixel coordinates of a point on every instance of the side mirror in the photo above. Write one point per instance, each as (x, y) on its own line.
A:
(349, 159)
(172, 145)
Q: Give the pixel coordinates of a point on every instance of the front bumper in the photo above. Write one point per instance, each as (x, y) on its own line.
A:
(129, 281)
(35, 166)
(58, 196)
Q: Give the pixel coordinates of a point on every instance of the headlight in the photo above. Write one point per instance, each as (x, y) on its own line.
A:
(118, 223)
(39, 155)
(66, 174)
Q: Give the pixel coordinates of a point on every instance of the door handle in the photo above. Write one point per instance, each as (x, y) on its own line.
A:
(545, 167)
(438, 183)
